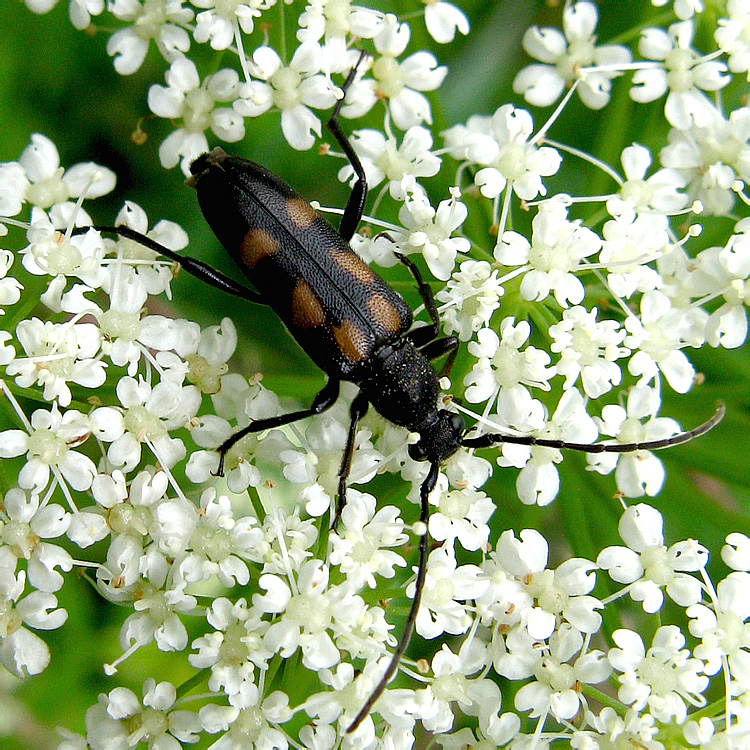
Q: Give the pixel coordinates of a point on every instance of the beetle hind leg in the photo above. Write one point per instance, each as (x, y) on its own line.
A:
(358, 410)
(324, 400)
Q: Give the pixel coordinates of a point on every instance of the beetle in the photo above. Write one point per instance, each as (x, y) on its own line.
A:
(350, 322)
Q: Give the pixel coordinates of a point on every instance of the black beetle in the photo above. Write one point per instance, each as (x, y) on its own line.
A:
(347, 319)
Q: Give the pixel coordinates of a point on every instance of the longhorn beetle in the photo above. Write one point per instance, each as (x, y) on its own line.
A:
(347, 319)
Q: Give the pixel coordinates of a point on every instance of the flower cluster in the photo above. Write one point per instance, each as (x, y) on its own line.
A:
(576, 320)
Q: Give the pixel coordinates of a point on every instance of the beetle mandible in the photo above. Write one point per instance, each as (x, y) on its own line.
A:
(348, 320)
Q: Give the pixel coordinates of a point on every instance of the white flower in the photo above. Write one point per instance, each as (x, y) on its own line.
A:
(292, 89)
(49, 447)
(155, 276)
(147, 415)
(538, 481)
(23, 530)
(588, 349)
(725, 271)
(233, 649)
(724, 630)
(216, 24)
(462, 515)
(443, 20)
(220, 544)
(21, 651)
(637, 472)
(658, 336)
(658, 193)
(568, 58)
(556, 686)
(304, 617)
(400, 83)
(647, 566)
(156, 617)
(50, 252)
(360, 546)
(469, 298)
(561, 593)
(683, 74)
(663, 678)
(711, 158)
(193, 103)
(429, 231)
(161, 21)
(501, 144)
(119, 719)
(630, 242)
(51, 187)
(58, 354)
(732, 35)
(446, 585)
(503, 365)
(382, 158)
(252, 725)
(550, 260)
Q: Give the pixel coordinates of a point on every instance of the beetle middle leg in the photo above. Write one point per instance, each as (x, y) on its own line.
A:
(355, 207)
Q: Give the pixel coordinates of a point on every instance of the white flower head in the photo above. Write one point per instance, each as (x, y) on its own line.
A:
(187, 100)
(568, 57)
(664, 678)
(556, 250)
(683, 74)
(429, 231)
(647, 566)
(160, 22)
(292, 89)
(469, 298)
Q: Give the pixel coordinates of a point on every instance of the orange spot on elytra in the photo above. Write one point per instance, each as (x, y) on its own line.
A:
(306, 308)
(352, 341)
(257, 244)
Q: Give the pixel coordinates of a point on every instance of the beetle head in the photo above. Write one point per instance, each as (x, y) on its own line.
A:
(439, 439)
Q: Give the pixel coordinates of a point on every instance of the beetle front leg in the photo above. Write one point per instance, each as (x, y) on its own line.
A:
(424, 492)
(325, 399)
(437, 348)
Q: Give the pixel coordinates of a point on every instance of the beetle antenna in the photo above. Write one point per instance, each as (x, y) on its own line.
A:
(427, 486)
(490, 439)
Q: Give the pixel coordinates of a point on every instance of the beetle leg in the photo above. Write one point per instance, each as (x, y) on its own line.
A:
(355, 207)
(324, 400)
(437, 348)
(427, 486)
(358, 410)
(425, 292)
(194, 267)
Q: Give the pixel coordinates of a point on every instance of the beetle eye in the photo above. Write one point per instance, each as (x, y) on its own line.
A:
(457, 424)
(417, 451)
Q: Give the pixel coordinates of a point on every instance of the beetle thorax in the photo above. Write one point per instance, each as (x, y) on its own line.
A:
(401, 385)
